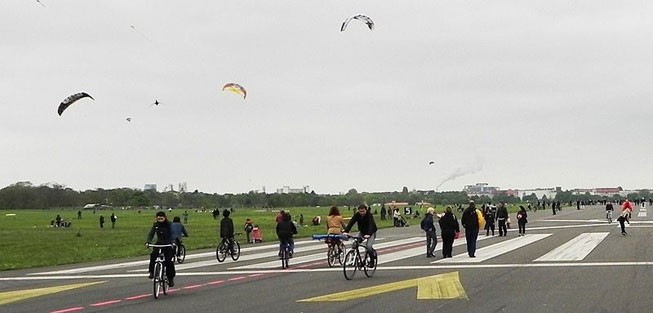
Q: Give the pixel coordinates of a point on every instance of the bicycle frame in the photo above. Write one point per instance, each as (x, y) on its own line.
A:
(160, 281)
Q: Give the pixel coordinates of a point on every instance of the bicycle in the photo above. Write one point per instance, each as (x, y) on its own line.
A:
(180, 252)
(608, 215)
(224, 247)
(335, 247)
(160, 281)
(355, 261)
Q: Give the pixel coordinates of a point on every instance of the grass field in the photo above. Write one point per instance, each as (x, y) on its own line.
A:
(29, 241)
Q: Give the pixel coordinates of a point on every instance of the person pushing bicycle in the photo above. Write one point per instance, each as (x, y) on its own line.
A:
(162, 228)
(366, 227)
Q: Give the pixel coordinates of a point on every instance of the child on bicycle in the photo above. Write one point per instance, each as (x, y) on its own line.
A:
(227, 229)
(285, 230)
(162, 228)
(366, 227)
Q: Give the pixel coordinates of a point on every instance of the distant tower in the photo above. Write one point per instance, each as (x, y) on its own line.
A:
(183, 187)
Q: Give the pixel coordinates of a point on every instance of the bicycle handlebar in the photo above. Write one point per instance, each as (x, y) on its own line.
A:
(149, 245)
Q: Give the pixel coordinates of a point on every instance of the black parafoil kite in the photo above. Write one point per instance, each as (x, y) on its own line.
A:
(368, 21)
(70, 100)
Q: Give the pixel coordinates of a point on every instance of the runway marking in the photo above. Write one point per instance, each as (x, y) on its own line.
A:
(17, 295)
(442, 286)
(575, 249)
(495, 250)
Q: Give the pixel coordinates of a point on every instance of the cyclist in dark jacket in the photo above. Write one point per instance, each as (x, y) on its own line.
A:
(162, 228)
(366, 227)
(285, 230)
(227, 229)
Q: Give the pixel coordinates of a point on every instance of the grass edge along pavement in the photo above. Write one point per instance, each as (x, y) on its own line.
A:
(31, 242)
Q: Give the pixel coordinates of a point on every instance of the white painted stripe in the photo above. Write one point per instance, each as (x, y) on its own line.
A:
(322, 255)
(575, 249)
(495, 250)
(409, 253)
(641, 214)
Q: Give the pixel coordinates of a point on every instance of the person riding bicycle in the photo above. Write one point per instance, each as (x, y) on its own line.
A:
(178, 230)
(285, 230)
(366, 227)
(609, 209)
(335, 224)
(627, 206)
(162, 228)
(227, 229)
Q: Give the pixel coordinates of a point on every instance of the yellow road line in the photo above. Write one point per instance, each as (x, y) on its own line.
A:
(442, 286)
(17, 295)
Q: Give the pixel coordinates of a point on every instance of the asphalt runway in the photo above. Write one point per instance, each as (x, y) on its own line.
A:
(571, 262)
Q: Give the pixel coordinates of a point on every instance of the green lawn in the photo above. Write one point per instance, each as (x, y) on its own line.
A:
(29, 241)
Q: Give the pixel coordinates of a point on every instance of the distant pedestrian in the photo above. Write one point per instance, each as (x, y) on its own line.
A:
(470, 222)
(428, 227)
(248, 227)
(185, 217)
(502, 218)
(522, 219)
(79, 215)
(490, 216)
(301, 219)
(448, 229)
(101, 221)
(113, 218)
(622, 219)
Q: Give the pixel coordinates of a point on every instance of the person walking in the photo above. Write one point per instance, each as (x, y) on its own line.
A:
(522, 219)
(113, 218)
(502, 218)
(490, 215)
(428, 227)
(622, 219)
(470, 222)
(101, 221)
(448, 229)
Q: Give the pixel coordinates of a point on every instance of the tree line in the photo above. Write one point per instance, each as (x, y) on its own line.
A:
(24, 195)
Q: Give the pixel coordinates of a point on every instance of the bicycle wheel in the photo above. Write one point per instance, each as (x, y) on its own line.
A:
(331, 255)
(221, 252)
(235, 253)
(350, 265)
(181, 254)
(370, 265)
(341, 252)
(158, 269)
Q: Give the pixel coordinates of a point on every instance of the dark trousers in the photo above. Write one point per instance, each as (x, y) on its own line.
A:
(488, 227)
(170, 266)
(431, 242)
(471, 234)
(447, 243)
(622, 224)
(522, 228)
(503, 231)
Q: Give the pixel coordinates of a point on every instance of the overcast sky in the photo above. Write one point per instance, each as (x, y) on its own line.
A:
(518, 94)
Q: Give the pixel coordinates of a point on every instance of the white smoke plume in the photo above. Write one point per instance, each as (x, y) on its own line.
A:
(461, 171)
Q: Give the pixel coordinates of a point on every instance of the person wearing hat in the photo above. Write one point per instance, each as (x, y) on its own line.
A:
(162, 228)
(429, 228)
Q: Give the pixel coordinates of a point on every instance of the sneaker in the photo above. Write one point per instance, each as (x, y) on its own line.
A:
(171, 282)
(151, 276)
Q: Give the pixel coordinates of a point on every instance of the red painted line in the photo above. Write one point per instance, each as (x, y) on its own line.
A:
(192, 286)
(75, 309)
(105, 303)
(255, 275)
(215, 282)
(236, 278)
(138, 297)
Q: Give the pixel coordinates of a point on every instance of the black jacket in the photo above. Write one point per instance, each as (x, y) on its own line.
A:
(163, 232)
(449, 224)
(470, 218)
(226, 227)
(285, 229)
(366, 224)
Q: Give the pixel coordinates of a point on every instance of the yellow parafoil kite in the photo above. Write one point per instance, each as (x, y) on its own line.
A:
(235, 88)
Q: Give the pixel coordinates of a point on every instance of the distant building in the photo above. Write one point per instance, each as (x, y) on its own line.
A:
(287, 189)
(480, 189)
(608, 191)
(149, 187)
(550, 193)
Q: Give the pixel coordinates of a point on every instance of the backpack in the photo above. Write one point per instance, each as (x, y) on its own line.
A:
(481, 219)
(249, 227)
(425, 225)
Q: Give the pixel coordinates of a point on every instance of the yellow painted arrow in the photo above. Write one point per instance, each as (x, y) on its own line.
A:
(17, 295)
(442, 286)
